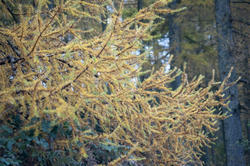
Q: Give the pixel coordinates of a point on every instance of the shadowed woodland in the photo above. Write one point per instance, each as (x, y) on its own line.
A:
(127, 83)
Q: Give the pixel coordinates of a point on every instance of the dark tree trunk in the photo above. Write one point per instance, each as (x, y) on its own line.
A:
(232, 125)
(139, 5)
(174, 40)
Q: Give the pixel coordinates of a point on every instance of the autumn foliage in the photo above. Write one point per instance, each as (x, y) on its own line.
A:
(70, 89)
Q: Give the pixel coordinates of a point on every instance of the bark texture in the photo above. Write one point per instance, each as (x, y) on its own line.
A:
(232, 125)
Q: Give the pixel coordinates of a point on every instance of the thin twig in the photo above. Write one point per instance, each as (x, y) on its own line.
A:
(45, 28)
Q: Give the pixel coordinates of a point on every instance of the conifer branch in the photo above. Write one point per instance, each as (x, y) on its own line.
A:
(92, 84)
(10, 11)
(44, 29)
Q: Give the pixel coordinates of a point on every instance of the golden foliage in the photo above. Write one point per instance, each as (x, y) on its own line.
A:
(90, 81)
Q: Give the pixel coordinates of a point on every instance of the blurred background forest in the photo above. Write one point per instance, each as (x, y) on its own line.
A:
(194, 37)
(191, 36)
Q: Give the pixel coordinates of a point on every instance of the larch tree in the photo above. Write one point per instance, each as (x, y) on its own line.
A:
(78, 101)
(192, 37)
(232, 125)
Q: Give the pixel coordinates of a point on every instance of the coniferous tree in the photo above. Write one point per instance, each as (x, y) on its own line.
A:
(232, 125)
(78, 102)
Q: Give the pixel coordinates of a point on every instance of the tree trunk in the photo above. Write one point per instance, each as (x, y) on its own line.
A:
(174, 40)
(232, 125)
(139, 5)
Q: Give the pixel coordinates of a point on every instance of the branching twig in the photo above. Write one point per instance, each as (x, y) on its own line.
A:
(14, 48)
(65, 62)
(45, 28)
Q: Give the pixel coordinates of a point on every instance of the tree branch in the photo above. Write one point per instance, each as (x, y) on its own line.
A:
(65, 62)
(40, 35)
(9, 10)
(14, 48)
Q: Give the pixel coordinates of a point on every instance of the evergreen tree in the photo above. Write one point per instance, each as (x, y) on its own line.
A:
(70, 95)
(232, 125)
